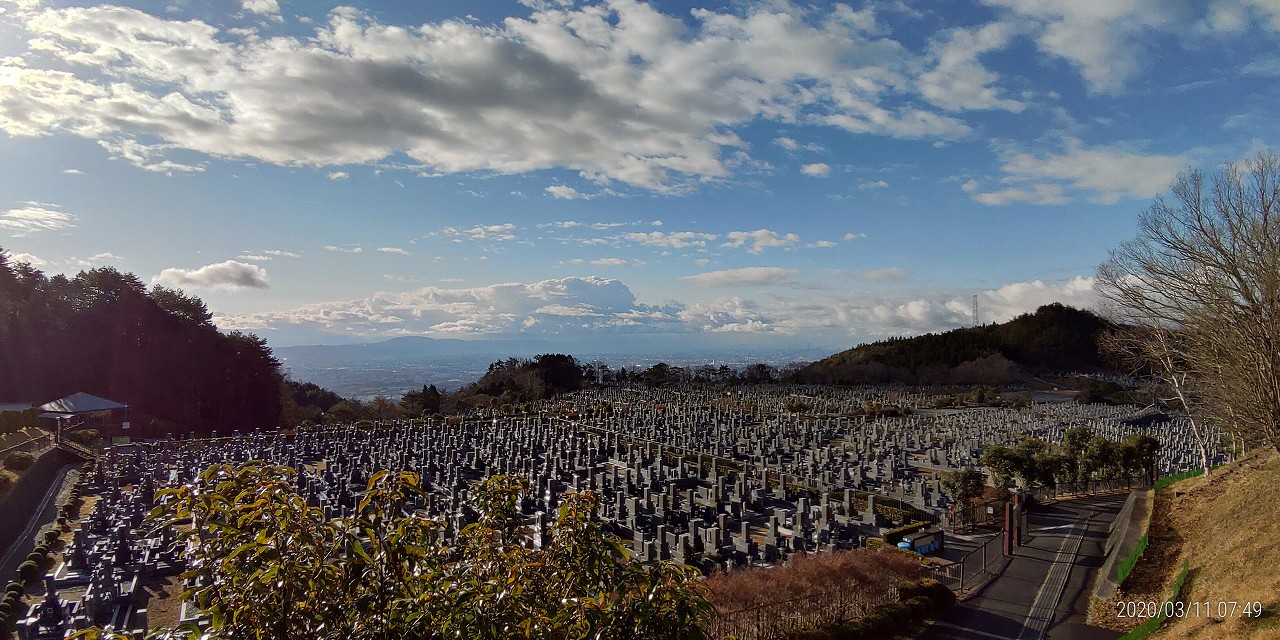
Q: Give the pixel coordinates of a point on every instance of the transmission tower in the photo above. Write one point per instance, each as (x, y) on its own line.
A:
(975, 309)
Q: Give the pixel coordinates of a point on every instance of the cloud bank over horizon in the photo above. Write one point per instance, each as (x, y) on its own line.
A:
(581, 306)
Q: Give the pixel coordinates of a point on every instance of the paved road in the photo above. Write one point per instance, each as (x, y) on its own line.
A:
(1044, 591)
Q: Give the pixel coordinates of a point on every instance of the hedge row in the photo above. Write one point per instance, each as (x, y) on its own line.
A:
(38, 561)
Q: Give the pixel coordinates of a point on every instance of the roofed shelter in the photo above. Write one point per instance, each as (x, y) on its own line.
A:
(84, 410)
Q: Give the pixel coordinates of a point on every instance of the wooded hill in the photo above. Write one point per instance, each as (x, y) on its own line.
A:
(1056, 338)
(157, 350)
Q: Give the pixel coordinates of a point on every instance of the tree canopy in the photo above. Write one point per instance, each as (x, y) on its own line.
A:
(1199, 291)
(157, 350)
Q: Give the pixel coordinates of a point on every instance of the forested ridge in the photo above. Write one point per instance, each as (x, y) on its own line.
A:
(1055, 338)
(157, 350)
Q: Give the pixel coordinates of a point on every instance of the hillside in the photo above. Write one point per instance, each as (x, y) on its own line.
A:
(157, 350)
(1056, 338)
(1223, 531)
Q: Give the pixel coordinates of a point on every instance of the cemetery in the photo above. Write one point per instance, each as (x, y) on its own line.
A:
(716, 479)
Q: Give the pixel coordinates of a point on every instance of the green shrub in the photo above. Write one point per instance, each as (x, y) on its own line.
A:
(877, 624)
(921, 608)
(19, 461)
(29, 571)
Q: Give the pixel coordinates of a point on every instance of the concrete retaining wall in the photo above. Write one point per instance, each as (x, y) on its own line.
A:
(25, 495)
(1126, 531)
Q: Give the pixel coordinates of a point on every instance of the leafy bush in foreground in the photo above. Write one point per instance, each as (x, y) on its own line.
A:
(272, 567)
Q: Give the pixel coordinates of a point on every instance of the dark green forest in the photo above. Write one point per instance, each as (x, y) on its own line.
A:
(157, 350)
(1055, 338)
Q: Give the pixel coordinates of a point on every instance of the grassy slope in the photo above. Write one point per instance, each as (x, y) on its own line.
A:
(1228, 529)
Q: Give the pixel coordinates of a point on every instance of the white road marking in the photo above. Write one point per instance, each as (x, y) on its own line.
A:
(1046, 600)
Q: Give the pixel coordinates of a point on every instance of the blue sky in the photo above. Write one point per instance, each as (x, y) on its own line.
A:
(768, 172)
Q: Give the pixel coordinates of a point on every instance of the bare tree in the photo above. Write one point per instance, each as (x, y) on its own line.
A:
(1200, 288)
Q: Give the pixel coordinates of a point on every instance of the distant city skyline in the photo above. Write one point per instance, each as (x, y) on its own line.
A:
(756, 173)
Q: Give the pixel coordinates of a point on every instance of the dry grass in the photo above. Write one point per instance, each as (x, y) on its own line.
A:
(1226, 527)
(861, 571)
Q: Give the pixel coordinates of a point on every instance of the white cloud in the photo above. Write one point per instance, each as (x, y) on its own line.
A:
(28, 259)
(760, 239)
(36, 217)
(1111, 41)
(568, 305)
(336, 249)
(821, 244)
(338, 175)
(609, 262)
(853, 236)
(73, 172)
(618, 91)
(786, 143)
(878, 184)
(282, 254)
(1041, 194)
(223, 276)
(93, 260)
(958, 81)
(394, 250)
(817, 169)
(1105, 174)
(565, 192)
(269, 8)
(673, 240)
(576, 306)
(744, 277)
(498, 232)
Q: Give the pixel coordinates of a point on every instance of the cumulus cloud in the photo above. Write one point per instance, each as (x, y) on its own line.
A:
(759, 240)
(744, 277)
(878, 184)
(499, 232)
(73, 172)
(609, 262)
(821, 244)
(853, 236)
(673, 240)
(27, 258)
(1109, 42)
(394, 250)
(617, 91)
(36, 217)
(817, 169)
(565, 192)
(567, 305)
(1105, 174)
(336, 249)
(958, 81)
(1043, 194)
(338, 175)
(223, 276)
(269, 8)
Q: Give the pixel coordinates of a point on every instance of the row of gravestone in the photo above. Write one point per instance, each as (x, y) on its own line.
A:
(705, 479)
